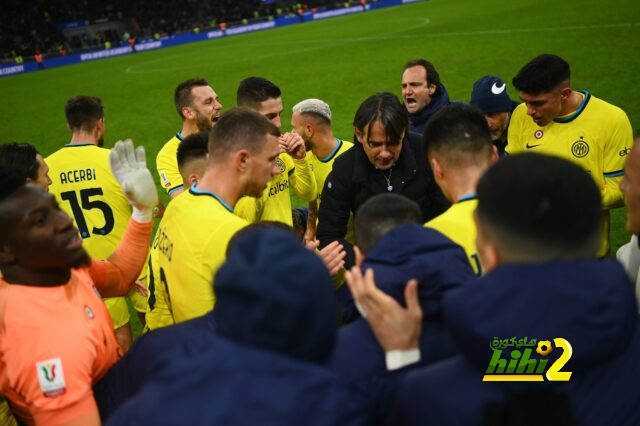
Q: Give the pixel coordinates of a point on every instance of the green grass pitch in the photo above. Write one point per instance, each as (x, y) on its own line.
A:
(342, 60)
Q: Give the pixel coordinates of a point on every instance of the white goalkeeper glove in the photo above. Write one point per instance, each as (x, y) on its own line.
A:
(129, 167)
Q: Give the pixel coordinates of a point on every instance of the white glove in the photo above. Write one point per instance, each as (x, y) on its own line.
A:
(130, 169)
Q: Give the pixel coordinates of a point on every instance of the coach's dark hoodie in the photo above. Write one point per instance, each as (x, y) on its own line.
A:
(439, 265)
(587, 302)
(275, 325)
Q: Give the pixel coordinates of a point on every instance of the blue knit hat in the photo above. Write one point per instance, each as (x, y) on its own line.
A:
(490, 94)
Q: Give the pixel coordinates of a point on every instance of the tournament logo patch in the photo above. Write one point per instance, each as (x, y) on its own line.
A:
(51, 377)
(538, 134)
(163, 178)
(580, 148)
(281, 166)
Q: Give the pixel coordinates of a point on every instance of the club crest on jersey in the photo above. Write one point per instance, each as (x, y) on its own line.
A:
(51, 377)
(89, 312)
(281, 166)
(580, 148)
(538, 134)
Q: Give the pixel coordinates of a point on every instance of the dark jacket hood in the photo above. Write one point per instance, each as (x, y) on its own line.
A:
(274, 294)
(413, 251)
(588, 302)
(419, 119)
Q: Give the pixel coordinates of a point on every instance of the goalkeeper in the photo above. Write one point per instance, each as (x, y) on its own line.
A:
(56, 336)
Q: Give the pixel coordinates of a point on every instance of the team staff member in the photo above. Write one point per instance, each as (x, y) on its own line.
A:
(24, 158)
(571, 124)
(422, 92)
(192, 237)
(88, 191)
(192, 162)
(274, 204)
(56, 337)
(199, 107)
(382, 161)
(459, 150)
(311, 119)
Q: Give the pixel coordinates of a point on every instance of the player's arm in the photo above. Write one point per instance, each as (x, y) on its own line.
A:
(312, 219)
(170, 178)
(301, 178)
(333, 215)
(114, 276)
(514, 131)
(615, 153)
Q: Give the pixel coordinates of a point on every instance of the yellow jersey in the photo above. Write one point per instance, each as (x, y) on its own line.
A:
(458, 225)
(167, 165)
(275, 202)
(189, 247)
(597, 137)
(159, 306)
(87, 191)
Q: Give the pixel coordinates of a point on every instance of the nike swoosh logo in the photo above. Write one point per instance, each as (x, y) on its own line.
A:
(497, 90)
(532, 146)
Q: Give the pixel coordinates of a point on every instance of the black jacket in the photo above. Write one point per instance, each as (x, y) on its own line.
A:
(354, 180)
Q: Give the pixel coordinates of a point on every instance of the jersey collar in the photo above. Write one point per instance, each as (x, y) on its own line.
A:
(576, 113)
(195, 191)
(333, 153)
(467, 197)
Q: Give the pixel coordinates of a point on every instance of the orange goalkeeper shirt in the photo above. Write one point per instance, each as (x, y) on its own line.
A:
(57, 342)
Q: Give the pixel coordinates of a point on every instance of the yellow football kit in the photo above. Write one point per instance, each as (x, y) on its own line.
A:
(167, 165)
(275, 202)
(188, 248)
(597, 136)
(458, 225)
(159, 306)
(87, 191)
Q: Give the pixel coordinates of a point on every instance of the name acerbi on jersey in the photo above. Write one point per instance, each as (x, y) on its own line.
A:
(163, 243)
(75, 176)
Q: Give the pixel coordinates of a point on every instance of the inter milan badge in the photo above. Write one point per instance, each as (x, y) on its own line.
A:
(281, 166)
(580, 148)
(538, 134)
(89, 312)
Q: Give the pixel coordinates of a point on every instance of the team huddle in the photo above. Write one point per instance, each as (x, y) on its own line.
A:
(440, 226)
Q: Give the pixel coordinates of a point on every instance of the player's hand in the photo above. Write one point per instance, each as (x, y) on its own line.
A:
(332, 255)
(293, 145)
(140, 288)
(129, 166)
(395, 327)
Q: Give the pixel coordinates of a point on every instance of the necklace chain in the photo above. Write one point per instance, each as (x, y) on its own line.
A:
(388, 180)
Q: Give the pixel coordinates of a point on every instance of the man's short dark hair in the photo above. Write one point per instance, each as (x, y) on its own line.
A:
(20, 157)
(193, 147)
(537, 208)
(83, 112)
(11, 180)
(379, 215)
(240, 128)
(432, 74)
(388, 110)
(183, 96)
(542, 74)
(254, 90)
(458, 129)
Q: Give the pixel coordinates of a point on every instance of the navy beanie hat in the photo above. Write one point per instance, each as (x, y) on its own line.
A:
(490, 95)
(274, 294)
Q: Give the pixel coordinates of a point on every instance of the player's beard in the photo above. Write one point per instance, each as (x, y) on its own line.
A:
(101, 142)
(83, 260)
(203, 123)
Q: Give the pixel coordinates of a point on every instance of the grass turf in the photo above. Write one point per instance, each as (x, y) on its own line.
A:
(342, 60)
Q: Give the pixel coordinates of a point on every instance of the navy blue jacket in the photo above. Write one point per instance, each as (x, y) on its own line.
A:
(258, 358)
(439, 265)
(587, 302)
(419, 119)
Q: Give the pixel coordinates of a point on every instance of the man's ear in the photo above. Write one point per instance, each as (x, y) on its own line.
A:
(359, 256)
(186, 112)
(359, 135)
(437, 168)
(241, 160)
(6, 255)
(431, 88)
(494, 154)
(565, 93)
(488, 252)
